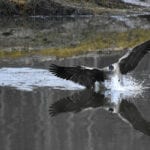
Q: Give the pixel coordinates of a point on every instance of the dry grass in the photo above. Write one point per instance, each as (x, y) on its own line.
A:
(111, 41)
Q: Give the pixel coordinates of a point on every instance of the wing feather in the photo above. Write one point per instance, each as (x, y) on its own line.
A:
(129, 61)
(82, 75)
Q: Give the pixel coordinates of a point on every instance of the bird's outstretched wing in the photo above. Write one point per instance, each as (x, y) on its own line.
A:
(129, 61)
(82, 75)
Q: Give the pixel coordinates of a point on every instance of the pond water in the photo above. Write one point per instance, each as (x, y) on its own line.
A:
(64, 116)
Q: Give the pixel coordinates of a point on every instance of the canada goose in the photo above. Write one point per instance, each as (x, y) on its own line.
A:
(89, 76)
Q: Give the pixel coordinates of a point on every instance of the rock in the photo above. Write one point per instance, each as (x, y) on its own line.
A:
(8, 33)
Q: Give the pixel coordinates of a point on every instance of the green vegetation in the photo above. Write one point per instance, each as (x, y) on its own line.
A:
(104, 41)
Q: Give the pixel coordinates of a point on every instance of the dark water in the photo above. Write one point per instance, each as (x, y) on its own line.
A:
(49, 119)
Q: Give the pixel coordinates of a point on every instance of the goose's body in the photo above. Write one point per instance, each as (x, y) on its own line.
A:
(89, 76)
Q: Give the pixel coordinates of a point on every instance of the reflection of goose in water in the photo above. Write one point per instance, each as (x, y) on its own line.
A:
(90, 76)
(89, 99)
(129, 111)
(79, 101)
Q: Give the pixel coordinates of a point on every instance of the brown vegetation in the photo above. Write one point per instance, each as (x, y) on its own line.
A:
(111, 41)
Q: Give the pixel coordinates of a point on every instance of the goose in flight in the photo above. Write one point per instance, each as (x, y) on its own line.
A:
(90, 76)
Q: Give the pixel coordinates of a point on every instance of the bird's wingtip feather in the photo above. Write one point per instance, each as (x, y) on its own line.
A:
(53, 68)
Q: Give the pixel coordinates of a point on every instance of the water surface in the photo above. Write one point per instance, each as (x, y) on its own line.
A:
(61, 119)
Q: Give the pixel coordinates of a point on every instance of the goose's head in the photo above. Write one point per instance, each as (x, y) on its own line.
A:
(111, 67)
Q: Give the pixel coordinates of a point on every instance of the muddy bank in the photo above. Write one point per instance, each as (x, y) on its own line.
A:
(41, 7)
(67, 36)
(57, 7)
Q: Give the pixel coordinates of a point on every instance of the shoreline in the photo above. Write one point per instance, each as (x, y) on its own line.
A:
(56, 7)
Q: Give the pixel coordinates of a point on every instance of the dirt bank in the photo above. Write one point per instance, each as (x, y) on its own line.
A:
(57, 7)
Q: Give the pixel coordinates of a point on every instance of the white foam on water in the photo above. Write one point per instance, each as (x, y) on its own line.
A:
(29, 78)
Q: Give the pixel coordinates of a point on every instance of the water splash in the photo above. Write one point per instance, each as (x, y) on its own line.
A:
(29, 78)
(129, 87)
